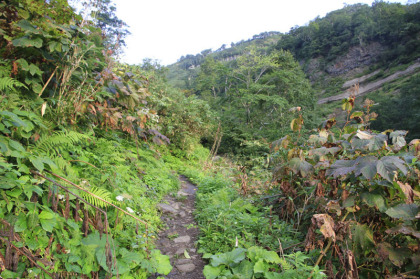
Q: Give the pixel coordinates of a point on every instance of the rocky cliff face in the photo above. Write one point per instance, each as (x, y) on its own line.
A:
(348, 65)
(357, 57)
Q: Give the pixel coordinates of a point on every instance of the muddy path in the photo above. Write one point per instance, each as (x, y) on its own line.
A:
(178, 240)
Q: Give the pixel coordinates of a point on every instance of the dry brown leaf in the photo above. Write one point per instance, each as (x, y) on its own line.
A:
(326, 225)
(344, 195)
(352, 266)
(2, 263)
(408, 192)
(131, 118)
(319, 191)
(43, 107)
(363, 135)
(334, 207)
(310, 239)
(92, 109)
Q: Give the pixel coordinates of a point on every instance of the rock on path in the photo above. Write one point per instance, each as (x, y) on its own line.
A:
(178, 240)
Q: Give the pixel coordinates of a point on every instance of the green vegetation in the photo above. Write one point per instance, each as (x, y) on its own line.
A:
(253, 97)
(400, 110)
(393, 25)
(82, 143)
(352, 182)
(89, 147)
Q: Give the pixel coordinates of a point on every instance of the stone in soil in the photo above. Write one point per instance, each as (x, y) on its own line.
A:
(183, 239)
(180, 251)
(166, 208)
(185, 268)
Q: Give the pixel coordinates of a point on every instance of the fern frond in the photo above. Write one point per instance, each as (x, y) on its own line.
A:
(100, 192)
(285, 265)
(50, 145)
(10, 83)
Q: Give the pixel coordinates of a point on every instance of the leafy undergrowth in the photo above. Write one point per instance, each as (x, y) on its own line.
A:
(355, 193)
(239, 237)
(77, 205)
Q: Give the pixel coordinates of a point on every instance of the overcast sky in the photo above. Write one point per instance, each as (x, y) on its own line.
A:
(168, 29)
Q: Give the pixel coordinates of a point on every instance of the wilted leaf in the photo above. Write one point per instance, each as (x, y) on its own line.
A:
(408, 192)
(396, 256)
(325, 223)
(43, 107)
(341, 167)
(324, 151)
(388, 167)
(398, 139)
(404, 230)
(348, 104)
(298, 165)
(296, 124)
(371, 142)
(327, 124)
(315, 139)
(334, 207)
(364, 135)
(283, 142)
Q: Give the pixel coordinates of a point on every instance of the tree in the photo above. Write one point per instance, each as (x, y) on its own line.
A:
(253, 94)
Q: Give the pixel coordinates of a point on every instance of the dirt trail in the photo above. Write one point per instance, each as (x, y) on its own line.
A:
(363, 89)
(178, 240)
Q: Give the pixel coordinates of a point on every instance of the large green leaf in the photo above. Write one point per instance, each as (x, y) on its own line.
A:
(212, 272)
(229, 258)
(362, 236)
(37, 162)
(47, 220)
(396, 256)
(244, 270)
(256, 253)
(161, 262)
(341, 167)
(366, 165)
(372, 143)
(261, 266)
(21, 224)
(26, 41)
(374, 200)
(27, 26)
(16, 145)
(406, 212)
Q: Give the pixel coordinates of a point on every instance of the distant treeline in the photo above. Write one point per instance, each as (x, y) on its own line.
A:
(394, 25)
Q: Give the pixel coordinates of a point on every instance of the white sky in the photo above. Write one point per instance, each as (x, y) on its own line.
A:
(168, 29)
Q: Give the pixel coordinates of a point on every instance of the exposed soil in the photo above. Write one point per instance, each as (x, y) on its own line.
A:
(178, 241)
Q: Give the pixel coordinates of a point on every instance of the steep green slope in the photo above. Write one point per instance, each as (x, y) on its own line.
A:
(376, 47)
(84, 147)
